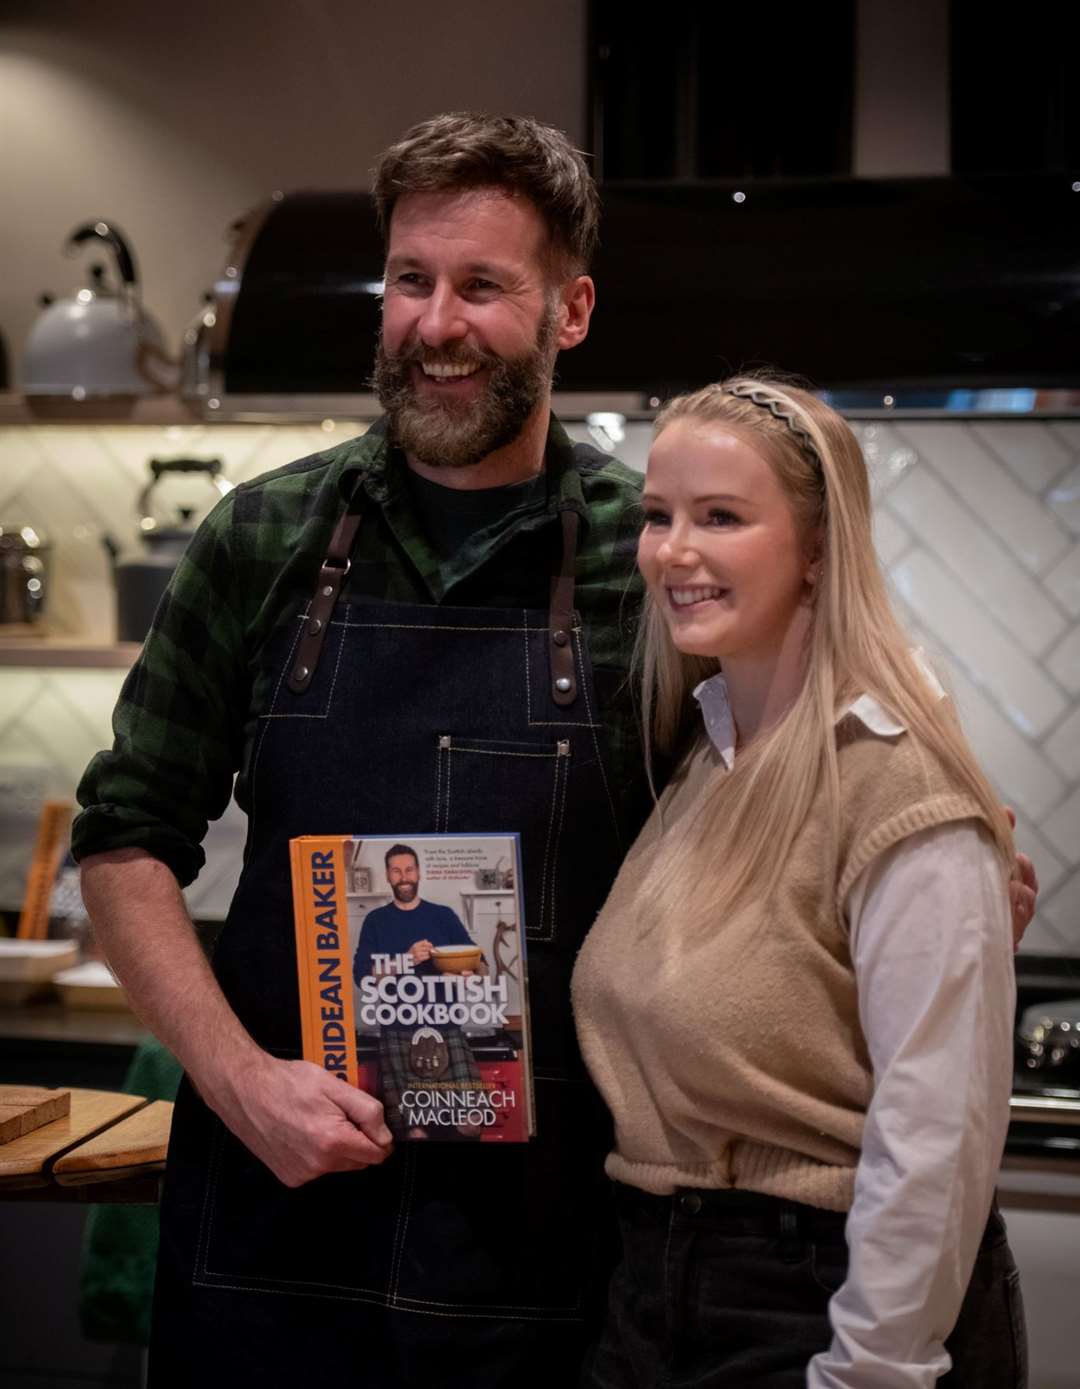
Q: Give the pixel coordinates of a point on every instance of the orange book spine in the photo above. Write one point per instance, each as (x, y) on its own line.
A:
(48, 850)
(324, 962)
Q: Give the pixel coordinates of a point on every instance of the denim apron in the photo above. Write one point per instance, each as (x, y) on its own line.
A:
(450, 1264)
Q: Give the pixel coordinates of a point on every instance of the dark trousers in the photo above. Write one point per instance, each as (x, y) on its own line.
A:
(731, 1289)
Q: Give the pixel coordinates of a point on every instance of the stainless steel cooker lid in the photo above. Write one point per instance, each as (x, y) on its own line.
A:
(1041, 1019)
(854, 283)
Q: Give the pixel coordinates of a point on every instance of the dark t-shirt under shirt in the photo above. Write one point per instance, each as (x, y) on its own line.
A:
(453, 516)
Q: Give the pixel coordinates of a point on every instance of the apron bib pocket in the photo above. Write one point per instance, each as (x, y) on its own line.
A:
(484, 784)
(328, 1238)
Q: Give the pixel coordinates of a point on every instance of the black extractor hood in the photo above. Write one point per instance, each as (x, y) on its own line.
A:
(852, 283)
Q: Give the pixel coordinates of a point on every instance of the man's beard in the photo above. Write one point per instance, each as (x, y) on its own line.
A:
(404, 892)
(446, 433)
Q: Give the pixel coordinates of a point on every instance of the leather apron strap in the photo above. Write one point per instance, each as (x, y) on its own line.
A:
(331, 576)
(336, 566)
(561, 615)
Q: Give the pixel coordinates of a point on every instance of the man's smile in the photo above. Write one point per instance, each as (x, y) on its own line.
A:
(448, 371)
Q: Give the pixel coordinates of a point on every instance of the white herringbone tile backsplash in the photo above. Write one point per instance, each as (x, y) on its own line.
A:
(978, 526)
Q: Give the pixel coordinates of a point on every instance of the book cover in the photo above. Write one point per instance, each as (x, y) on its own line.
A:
(412, 976)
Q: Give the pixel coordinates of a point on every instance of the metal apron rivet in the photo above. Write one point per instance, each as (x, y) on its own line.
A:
(559, 638)
(444, 741)
(328, 591)
(563, 683)
(315, 625)
(562, 747)
(301, 673)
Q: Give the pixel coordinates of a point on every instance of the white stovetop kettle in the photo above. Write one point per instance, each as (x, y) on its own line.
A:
(101, 341)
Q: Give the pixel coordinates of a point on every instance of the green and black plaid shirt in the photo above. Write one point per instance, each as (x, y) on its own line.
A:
(188, 712)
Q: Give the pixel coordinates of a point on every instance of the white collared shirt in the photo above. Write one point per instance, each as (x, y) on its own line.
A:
(712, 697)
(936, 1008)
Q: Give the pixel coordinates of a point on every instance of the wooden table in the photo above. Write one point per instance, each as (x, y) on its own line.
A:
(110, 1148)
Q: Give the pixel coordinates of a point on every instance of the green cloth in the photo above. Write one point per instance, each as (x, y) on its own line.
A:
(188, 712)
(120, 1243)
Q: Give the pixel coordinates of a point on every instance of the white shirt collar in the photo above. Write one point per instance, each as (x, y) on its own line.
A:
(712, 696)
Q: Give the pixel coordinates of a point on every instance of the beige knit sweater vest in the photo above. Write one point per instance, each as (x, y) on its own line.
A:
(735, 1057)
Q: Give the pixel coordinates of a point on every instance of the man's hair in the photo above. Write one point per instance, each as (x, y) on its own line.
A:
(396, 851)
(465, 150)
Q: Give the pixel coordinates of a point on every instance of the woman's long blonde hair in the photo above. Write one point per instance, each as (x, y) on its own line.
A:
(855, 646)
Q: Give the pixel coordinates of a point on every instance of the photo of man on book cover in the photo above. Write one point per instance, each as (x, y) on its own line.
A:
(414, 927)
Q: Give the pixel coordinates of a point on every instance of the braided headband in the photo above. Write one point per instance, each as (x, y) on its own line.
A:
(762, 398)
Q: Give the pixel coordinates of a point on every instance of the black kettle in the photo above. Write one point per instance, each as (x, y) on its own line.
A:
(142, 576)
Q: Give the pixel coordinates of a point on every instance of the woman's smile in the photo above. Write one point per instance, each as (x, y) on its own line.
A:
(685, 596)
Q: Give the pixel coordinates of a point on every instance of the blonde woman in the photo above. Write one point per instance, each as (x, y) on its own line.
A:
(798, 998)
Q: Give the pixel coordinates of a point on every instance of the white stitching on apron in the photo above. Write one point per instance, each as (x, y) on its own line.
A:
(442, 817)
(546, 875)
(563, 723)
(402, 1227)
(262, 731)
(558, 840)
(528, 672)
(211, 1181)
(427, 627)
(299, 629)
(596, 741)
(498, 752)
(210, 1279)
(333, 682)
(492, 1310)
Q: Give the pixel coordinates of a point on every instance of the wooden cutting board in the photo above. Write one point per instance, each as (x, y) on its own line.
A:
(24, 1108)
(138, 1142)
(25, 1161)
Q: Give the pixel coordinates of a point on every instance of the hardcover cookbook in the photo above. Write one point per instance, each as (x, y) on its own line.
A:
(412, 975)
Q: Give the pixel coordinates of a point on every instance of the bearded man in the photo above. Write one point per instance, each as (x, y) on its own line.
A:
(425, 629)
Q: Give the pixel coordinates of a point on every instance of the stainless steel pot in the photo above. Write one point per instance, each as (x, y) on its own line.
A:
(195, 354)
(24, 556)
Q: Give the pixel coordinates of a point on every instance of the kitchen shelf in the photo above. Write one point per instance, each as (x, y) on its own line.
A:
(52, 1022)
(59, 410)
(166, 410)
(572, 407)
(58, 652)
(15, 409)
